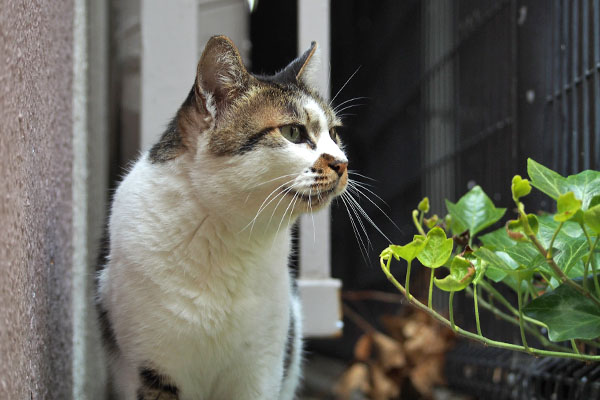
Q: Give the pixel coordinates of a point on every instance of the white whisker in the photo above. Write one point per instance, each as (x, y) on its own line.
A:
(347, 101)
(366, 216)
(359, 240)
(312, 216)
(351, 172)
(350, 106)
(353, 207)
(359, 185)
(265, 204)
(344, 85)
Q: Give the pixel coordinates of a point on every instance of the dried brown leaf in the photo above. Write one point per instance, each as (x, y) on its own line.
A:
(427, 374)
(363, 347)
(356, 378)
(390, 353)
(383, 387)
(425, 341)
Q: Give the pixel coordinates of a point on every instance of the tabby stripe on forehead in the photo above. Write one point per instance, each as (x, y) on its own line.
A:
(256, 138)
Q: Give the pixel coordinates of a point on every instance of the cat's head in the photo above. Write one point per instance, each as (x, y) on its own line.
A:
(257, 141)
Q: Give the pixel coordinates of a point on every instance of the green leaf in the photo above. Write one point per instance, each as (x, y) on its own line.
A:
(497, 240)
(570, 242)
(546, 180)
(387, 253)
(474, 211)
(431, 222)
(585, 185)
(437, 250)
(520, 187)
(500, 264)
(480, 269)
(568, 314)
(591, 218)
(424, 205)
(462, 273)
(516, 231)
(409, 251)
(567, 205)
(526, 255)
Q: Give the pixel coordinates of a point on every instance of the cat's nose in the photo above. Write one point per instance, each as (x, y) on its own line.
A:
(339, 166)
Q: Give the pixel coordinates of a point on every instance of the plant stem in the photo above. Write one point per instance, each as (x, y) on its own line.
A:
(549, 253)
(407, 284)
(563, 277)
(430, 297)
(586, 268)
(521, 324)
(482, 339)
(475, 295)
(548, 281)
(492, 290)
(574, 345)
(451, 310)
(543, 340)
(417, 224)
(531, 289)
(591, 260)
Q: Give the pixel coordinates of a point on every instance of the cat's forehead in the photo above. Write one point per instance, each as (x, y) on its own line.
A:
(297, 103)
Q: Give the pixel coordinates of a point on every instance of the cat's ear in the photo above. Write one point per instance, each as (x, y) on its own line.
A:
(221, 75)
(303, 69)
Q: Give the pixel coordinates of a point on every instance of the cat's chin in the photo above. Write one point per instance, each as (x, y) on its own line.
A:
(309, 202)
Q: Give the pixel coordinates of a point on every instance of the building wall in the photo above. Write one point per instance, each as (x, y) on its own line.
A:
(35, 211)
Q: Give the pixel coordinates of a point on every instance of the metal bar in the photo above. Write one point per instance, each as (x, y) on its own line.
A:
(574, 131)
(596, 61)
(586, 75)
(514, 83)
(586, 134)
(564, 81)
(556, 50)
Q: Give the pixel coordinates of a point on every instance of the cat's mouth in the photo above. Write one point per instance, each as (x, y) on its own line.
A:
(314, 197)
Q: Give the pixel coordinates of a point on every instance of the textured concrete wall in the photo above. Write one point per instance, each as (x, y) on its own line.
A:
(35, 211)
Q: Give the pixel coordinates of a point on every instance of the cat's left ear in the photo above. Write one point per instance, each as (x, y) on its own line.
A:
(221, 75)
(303, 69)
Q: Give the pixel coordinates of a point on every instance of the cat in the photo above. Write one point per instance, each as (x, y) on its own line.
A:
(196, 300)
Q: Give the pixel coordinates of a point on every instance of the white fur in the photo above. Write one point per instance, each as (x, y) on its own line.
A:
(197, 284)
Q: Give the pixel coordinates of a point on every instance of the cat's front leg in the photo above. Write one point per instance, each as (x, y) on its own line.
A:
(293, 352)
(154, 386)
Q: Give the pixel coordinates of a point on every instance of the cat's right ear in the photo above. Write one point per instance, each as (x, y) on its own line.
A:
(303, 69)
(221, 75)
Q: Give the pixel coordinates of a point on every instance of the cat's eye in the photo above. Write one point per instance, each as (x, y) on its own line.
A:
(293, 133)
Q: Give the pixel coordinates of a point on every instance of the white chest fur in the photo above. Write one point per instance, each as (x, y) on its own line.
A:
(190, 294)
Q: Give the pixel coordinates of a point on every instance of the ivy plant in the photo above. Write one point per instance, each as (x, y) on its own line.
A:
(550, 261)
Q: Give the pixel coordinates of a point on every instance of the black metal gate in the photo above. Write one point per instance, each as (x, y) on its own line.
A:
(461, 93)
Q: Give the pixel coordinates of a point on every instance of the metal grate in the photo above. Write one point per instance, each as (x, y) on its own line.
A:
(461, 93)
(497, 374)
(573, 85)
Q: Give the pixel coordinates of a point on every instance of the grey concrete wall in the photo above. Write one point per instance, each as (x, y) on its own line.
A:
(35, 211)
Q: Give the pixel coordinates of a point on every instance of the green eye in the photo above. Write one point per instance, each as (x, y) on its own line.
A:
(292, 133)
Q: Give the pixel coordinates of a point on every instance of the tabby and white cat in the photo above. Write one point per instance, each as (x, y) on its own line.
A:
(196, 299)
